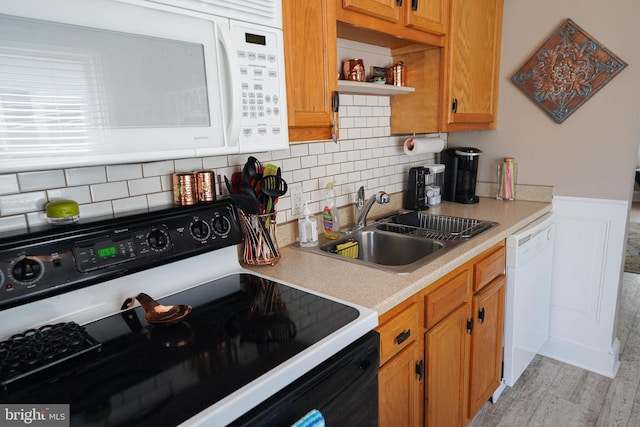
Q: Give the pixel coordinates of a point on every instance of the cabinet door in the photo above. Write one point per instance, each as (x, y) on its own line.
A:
(310, 67)
(446, 357)
(472, 68)
(399, 385)
(486, 344)
(427, 15)
(383, 9)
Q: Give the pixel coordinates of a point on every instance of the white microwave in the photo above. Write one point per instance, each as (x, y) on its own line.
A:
(96, 82)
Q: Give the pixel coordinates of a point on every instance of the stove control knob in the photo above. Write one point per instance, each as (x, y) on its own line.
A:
(221, 225)
(200, 230)
(27, 271)
(158, 240)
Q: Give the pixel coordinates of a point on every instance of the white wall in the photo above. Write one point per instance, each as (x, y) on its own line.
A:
(591, 154)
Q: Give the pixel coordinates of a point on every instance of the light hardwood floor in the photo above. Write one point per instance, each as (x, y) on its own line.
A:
(553, 394)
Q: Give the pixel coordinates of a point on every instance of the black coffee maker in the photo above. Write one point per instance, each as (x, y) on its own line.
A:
(461, 170)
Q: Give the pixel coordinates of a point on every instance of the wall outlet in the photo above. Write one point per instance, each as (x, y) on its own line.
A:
(296, 201)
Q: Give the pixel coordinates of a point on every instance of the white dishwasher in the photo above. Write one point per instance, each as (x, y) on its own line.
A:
(528, 297)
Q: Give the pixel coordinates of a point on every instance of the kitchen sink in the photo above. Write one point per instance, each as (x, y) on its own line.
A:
(402, 242)
(384, 250)
(379, 247)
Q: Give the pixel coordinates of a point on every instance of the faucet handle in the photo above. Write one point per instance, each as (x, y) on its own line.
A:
(360, 200)
(382, 197)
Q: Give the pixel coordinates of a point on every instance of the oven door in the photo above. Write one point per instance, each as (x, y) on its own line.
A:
(344, 389)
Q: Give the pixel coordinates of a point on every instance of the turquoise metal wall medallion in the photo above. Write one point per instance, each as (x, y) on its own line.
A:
(566, 71)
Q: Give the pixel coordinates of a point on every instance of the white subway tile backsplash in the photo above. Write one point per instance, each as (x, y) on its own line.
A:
(365, 154)
(291, 164)
(359, 100)
(22, 203)
(309, 161)
(37, 219)
(144, 186)
(109, 191)
(157, 168)
(214, 162)
(94, 210)
(159, 200)
(84, 176)
(346, 99)
(80, 194)
(299, 150)
(130, 204)
(301, 175)
(316, 148)
(123, 172)
(9, 184)
(41, 180)
(188, 165)
(11, 223)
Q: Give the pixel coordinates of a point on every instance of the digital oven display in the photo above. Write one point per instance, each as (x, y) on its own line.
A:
(255, 39)
(107, 252)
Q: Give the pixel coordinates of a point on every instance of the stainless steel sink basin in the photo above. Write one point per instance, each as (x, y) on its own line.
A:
(401, 243)
(384, 250)
(379, 247)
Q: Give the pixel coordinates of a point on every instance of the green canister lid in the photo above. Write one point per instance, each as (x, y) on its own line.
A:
(62, 211)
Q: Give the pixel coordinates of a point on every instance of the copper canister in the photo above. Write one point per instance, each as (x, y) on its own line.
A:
(396, 74)
(206, 188)
(185, 189)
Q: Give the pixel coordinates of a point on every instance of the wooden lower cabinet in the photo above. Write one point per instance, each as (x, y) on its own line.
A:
(401, 375)
(447, 355)
(441, 349)
(486, 344)
(399, 388)
(463, 349)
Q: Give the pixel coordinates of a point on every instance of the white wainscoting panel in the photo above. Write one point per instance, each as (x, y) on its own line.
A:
(587, 272)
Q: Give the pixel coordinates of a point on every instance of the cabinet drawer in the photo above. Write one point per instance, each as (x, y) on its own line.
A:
(442, 301)
(489, 268)
(398, 332)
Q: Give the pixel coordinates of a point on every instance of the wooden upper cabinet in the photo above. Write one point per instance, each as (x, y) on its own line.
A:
(310, 52)
(423, 15)
(427, 15)
(472, 60)
(383, 9)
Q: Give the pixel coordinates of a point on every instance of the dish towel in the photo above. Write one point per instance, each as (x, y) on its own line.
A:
(313, 419)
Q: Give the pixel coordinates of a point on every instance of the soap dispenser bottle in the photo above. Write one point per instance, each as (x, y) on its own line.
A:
(307, 228)
(330, 220)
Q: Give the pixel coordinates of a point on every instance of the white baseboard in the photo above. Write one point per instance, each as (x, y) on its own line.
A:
(595, 360)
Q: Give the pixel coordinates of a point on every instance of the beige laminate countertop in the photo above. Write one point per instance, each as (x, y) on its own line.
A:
(380, 290)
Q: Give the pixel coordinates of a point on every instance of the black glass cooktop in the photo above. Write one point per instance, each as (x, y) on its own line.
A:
(241, 327)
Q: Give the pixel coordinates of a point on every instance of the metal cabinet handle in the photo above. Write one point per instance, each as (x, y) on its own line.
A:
(420, 370)
(402, 336)
(469, 326)
(454, 105)
(399, 3)
(481, 315)
(335, 106)
(414, 5)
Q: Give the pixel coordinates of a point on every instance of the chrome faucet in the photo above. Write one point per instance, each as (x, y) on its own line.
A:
(363, 207)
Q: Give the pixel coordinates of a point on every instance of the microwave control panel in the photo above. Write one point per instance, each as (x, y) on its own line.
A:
(261, 60)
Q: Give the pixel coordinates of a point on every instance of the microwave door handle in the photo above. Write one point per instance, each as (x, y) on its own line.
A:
(233, 101)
